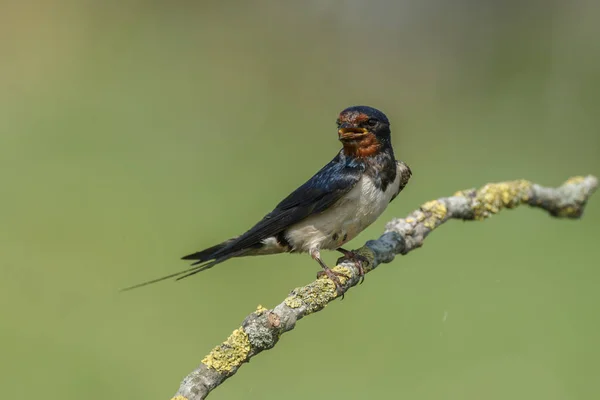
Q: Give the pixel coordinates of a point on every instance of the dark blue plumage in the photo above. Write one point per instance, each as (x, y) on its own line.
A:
(326, 187)
(370, 112)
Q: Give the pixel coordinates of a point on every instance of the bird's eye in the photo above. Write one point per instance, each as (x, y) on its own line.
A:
(372, 122)
(338, 122)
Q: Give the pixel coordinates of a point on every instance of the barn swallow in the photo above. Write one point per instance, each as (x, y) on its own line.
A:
(331, 208)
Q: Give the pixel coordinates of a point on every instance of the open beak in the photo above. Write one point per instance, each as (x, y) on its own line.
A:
(351, 133)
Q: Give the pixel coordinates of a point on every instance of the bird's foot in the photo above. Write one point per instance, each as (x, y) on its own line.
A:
(333, 275)
(358, 260)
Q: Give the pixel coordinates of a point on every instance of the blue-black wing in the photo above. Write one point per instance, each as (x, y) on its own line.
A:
(320, 192)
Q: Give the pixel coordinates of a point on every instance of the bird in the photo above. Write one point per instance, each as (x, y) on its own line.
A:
(342, 199)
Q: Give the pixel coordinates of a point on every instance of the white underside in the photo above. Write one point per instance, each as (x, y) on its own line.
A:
(342, 222)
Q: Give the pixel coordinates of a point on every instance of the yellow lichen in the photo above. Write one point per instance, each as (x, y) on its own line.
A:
(179, 397)
(229, 354)
(493, 197)
(435, 212)
(314, 296)
(465, 193)
(575, 180)
(293, 301)
(342, 270)
(260, 309)
(319, 294)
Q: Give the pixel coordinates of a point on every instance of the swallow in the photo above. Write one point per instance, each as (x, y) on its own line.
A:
(331, 208)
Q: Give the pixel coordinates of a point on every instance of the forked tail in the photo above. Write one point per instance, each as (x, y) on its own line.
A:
(200, 265)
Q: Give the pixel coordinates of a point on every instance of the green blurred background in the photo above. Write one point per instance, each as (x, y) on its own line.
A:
(133, 133)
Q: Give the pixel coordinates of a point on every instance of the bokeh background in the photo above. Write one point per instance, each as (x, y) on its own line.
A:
(132, 133)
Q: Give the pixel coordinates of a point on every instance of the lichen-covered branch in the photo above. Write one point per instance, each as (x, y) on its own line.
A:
(262, 328)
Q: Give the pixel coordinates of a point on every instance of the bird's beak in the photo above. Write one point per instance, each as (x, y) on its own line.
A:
(347, 133)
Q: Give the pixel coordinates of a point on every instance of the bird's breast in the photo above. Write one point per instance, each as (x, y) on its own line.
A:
(345, 219)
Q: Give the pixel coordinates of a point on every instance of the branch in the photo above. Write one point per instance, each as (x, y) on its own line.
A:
(262, 328)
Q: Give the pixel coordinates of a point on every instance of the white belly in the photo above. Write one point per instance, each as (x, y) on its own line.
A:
(344, 220)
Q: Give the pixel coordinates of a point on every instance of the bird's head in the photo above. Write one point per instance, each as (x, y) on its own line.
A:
(364, 131)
